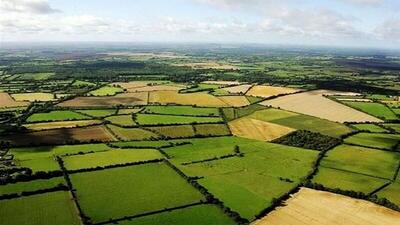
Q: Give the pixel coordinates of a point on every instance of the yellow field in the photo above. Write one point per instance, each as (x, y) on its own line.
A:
(6, 101)
(313, 103)
(31, 97)
(160, 88)
(61, 124)
(173, 97)
(139, 98)
(235, 101)
(240, 89)
(257, 129)
(268, 91)
(221, 82)
(311, 207)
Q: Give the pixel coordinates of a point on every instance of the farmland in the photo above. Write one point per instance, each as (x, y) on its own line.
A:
(198, 136)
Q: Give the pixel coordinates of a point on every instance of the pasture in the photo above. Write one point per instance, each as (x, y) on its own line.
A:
(374, 140)
(362, 160)
(313, 103)
(106, 91)
(44, 209)
(394, 126)
(133, 190)
(39, 164)
(25, 186)
(391, 192)
(369, 127)
(121, 120)
(56, 116)
(375, 109)
(179, 131)
(182, 110)
(318, 207)
(211, 129)
(129, 134)
(97, 113)
(111, 157)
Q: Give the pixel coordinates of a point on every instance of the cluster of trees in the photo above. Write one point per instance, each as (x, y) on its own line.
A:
(309, 140)
(14, 175)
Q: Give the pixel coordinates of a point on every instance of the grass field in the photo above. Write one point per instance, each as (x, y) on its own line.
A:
(128, 111)
(369, 127)
(50, 151)
(143, 144)
(127, 99)
(129, 134)
(56, 116)
(44, 209)
(152, 119)
(39, 164)
(394, 126)
(122, 120)
(179, 131)
(7, 101)
(257, 129)
(362, 160)
(182, 110)
(195, 215)
(375, 109)
(35, 76)
(60, 136)
(61, 124)
(211, 129)
(311, 207)
(173, 97)
(34, 185)
(107, 158)
(391, 192)
(98, 113)
(313, 103)
(133, 190)
(333, 178)
(301, 122)
(268, 91)
(36, 96)
(374, 140)
(106, 91)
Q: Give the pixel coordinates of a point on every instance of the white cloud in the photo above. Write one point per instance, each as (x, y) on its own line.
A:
(27, 6)
(389, 30)
(364, 2)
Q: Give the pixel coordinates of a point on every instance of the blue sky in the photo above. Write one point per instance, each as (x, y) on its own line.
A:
(358, 23)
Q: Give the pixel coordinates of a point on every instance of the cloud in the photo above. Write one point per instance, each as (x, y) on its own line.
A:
(389, 30)
(27, 6)
(364, 2)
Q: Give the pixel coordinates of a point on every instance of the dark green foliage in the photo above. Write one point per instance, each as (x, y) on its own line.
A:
(309, 140)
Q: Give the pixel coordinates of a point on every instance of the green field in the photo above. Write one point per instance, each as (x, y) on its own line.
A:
(369, 127)
(375, 109)
(362, 160)
(56, 116)
(136, 189)
(55, 208)
(50, 151)
(150, 119)
(211, 129)
(98, 113)
(34, 185)
(374, 140)
(142, 144)
(195, 215)
(39, 164)
(35, 76)
(112, 157)
(391, 192)
(301, 122)
(333, 178)
(106, 91)
(122, 120)
(179, 131)
(182, 110)
(394, 126)
(131, 134)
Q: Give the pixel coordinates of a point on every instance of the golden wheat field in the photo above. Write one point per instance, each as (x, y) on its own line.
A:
(257, 129)
(312, 207)
(235, 101)
(266, 91)
(7, 101)
(240, 89)
(31, 97)
(61, 124)
(313, 103)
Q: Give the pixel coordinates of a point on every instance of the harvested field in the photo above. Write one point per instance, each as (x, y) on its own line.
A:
(61, 124)
(221, 82)
(235, 101)
(269, 91)
(181, 131)
(313, 103)
(129, 134)
(258, 129)
(173, 97)
(60, 136)
(44, 209)
(31, 97)
(7, 101)
(240, 89)
(139, 98)
(159, 88)
(311, 207)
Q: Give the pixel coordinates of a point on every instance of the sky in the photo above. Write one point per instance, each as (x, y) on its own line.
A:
(347, 23)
